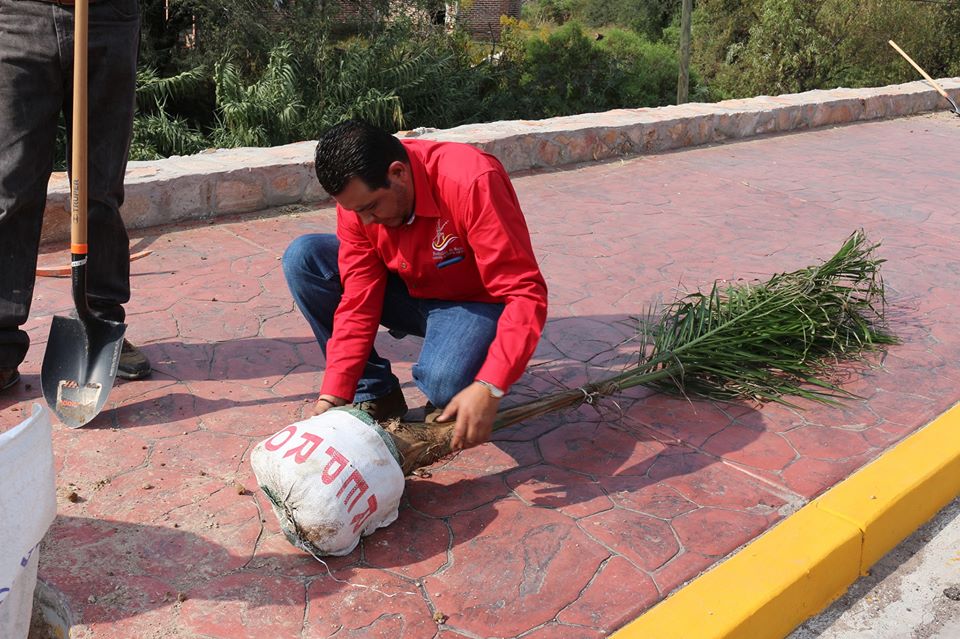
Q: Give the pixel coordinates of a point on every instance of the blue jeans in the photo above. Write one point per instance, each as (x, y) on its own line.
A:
(456, 335)
(36, 84)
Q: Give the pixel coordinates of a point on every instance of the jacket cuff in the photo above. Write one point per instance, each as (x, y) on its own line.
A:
(495, 376)
(338, 385)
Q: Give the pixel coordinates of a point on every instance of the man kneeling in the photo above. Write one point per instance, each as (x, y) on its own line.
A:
(431, 242)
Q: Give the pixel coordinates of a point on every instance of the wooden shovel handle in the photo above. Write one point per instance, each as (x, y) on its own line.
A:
(922, 72)
(78, 157)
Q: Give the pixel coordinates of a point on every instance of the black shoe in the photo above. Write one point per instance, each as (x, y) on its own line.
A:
(426, 414)
(8, 377)
(381, 409)
(431, 413)
(133, 363)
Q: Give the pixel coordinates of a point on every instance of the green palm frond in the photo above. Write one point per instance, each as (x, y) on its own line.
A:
(153, 89)
(764, 341)
(398, 78)
(269, 111)
(156, 132)
(377, 107)
(773, 339)
(158, 135)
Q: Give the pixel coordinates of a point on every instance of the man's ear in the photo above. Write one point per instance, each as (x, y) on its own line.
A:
(399, 171)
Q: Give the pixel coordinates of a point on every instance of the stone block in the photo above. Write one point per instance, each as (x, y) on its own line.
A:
(285, 183)
(239, 192)
(312, 191)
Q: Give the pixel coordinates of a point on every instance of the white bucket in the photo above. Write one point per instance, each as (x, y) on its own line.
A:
(28, 505)
(331, 479)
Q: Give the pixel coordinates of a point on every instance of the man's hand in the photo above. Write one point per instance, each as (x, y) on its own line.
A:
(323, 404)
(475, 410)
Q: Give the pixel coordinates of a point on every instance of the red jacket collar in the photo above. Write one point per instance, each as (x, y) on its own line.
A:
(424, 204)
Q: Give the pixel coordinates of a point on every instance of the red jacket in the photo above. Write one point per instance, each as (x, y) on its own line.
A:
(468, 242)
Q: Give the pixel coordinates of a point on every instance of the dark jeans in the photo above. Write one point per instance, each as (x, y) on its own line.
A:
(456, 335)
(36, 85)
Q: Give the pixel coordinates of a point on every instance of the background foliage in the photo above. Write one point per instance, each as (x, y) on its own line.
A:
(267, 72)
(765, 47)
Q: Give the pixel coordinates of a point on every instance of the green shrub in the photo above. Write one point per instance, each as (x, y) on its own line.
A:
(567, 72)
(402, 77)
(647, 17)
(753, 47)
(157, 133)
(645, 73)
(787, 51)
(553, 11)
(564, 74)
(267, 112)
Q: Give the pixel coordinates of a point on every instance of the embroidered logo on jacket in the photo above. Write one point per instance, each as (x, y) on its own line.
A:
(445, 249)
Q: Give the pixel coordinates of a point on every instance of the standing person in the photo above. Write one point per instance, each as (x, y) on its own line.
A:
(36, 85)
(430, 241)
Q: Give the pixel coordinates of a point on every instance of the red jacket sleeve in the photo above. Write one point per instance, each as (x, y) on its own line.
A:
(364, 278)
(498, 235)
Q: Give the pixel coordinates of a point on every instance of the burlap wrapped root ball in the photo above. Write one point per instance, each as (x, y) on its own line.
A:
(331, 479)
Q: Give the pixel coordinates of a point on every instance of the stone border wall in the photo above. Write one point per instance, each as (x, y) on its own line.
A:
(228, 181)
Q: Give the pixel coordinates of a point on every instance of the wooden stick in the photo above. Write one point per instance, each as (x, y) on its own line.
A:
(64, 271)
(922, 72)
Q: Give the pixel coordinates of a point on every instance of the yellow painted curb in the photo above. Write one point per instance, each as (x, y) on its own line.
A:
(809, 559)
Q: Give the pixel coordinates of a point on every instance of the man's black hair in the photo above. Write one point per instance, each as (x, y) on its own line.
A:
(356, 149)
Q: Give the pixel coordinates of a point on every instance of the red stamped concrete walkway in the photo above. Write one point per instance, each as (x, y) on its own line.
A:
(567, 526)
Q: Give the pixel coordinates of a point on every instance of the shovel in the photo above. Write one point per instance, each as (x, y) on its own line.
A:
(935, 84)
(83, 352)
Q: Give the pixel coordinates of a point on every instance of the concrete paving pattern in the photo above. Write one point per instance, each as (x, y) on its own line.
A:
(567, 526)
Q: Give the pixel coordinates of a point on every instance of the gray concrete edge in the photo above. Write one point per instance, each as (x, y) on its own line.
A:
(229, 181)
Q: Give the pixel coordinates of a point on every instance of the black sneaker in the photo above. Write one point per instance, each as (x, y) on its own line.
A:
(390, 406)
(8, 377)
(133, 363)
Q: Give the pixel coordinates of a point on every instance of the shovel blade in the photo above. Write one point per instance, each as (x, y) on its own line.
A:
(79, 366)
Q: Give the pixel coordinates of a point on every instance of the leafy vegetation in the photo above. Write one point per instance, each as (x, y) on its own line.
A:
(566, 71)
(264, 113)
(258, 74)
(267, 72)
(754, 47)
(157, 133)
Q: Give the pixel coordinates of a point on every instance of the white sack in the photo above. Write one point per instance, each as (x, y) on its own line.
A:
(331, 479)
(28, 504)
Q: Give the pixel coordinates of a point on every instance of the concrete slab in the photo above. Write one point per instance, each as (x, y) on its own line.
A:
(567, 526)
